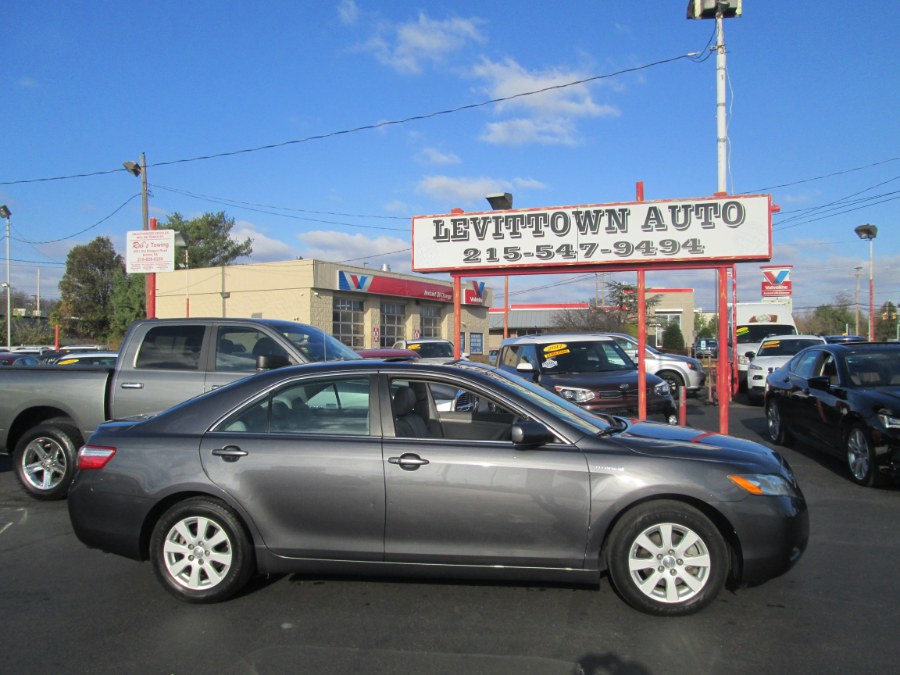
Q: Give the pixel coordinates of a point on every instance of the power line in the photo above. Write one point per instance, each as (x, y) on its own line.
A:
(809, 180)
(377, 125)
(90, 227)
(228, 202)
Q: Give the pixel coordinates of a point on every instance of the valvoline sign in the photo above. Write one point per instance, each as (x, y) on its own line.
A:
(776, 282)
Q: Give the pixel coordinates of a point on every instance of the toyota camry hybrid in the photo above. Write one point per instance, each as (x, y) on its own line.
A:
(412, 469)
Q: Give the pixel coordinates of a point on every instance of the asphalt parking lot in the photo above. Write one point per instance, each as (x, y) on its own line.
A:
(67, 609)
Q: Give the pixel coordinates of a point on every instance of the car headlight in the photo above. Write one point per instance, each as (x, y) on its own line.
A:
(743, 360)
(889, 420)
(662, 389)
(763, 484)
(576, 394)
(753, 366)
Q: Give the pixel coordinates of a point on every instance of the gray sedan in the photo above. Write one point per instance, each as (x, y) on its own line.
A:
(413, 469)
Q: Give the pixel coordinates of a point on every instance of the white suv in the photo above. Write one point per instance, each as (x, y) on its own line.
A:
(774, 352)
(677, 370)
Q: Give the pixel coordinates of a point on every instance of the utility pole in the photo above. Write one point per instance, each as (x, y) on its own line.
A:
(858, 269)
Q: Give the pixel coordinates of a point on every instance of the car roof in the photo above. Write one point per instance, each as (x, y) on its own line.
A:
(557, 337)
(790, 336)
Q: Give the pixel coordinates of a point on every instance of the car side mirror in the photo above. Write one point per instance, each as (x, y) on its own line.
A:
(750, 355)
(821, 382)
(525, 367)
(271, 361)
(527, 432)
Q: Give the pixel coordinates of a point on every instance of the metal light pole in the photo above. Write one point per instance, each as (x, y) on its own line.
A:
(140, 170)
(181, 241)
(858, 269)
(6, 213)
(500, 201)
(869, 232)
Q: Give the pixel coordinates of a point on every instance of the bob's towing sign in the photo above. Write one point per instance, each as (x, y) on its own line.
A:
(732, 229)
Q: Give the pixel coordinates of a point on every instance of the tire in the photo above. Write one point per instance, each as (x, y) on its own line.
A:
(201, 552)
(861, 458)
(778, 433)
(673, 379)
(667, 559)
(45, 460)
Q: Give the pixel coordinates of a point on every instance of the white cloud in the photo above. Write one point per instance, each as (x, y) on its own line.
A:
(435, 156)
(508, 78)
(348, 11)
(26, 82)
(550, 117)
(464, 190)
(406, 47)
(357, 249)
(265, 248)
(524, 131)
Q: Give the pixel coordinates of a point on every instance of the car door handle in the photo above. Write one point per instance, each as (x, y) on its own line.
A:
(408, 461)
(132, 385)
(230, 453)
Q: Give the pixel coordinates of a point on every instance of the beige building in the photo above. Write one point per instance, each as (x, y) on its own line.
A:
(363, 307)
(676, 305)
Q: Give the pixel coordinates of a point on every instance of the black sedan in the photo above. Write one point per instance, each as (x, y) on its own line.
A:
(844, 398)
(415, 469)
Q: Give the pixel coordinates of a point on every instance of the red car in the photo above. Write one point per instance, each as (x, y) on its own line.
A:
(14, 359)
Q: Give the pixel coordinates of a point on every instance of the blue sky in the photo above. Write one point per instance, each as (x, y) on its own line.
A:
(813, 120)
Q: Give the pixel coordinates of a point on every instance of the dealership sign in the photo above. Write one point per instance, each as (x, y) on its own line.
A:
(407, 288)
(732, 229)
(149, 251)
(777, 281)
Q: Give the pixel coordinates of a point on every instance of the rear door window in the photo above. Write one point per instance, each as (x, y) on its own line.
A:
(171, 348)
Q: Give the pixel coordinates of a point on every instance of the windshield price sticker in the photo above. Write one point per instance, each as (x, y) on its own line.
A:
(735, 228)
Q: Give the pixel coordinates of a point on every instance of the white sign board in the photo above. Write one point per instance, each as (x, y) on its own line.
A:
(732, 229)
(150, 251)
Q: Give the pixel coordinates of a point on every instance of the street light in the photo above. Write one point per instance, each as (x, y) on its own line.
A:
(869, 232)
(182, 241)
(6, 213)
(140, 170)
(500, 201)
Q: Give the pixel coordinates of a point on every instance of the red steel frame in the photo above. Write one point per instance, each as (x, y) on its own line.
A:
(725, 376)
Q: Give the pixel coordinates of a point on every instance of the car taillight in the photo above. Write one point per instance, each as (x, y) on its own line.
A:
(94, 456)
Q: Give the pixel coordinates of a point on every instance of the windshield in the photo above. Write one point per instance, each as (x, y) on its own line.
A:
(787, 347)
(872, 368)
(316, 345)
(551, 403)
(432, 350)
(757, 332)
(601, 356)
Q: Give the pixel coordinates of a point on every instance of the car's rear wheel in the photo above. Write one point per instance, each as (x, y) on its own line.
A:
(861, 458)
(775, 423)
(666, 558)
(44, 459)
(201, 552)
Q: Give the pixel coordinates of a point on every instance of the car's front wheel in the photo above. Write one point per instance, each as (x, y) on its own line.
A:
(673, 379)
(775, 424)
(667, 558)
(861, 458)
(201, 552)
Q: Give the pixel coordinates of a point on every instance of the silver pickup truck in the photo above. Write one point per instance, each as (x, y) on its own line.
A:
(46, 413)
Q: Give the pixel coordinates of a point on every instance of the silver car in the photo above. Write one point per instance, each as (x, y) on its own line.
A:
(411, 469)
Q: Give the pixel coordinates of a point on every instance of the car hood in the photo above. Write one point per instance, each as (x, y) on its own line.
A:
(614, 379)
(663, 440)
(772, 362)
